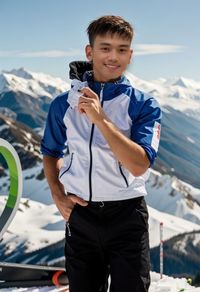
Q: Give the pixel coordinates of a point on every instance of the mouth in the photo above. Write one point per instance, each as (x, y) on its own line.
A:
(112, 67)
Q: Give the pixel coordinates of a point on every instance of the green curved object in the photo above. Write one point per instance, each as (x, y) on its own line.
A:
(15, 191)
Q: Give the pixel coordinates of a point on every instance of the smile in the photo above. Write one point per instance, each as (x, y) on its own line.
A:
(112, 66)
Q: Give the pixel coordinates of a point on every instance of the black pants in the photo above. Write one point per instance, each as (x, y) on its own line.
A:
(108, 240)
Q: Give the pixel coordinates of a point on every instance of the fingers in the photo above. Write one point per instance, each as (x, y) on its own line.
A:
(78, 200)
(66, 206)
(84, 103)
(87, 99)
(81, 107)
(88, 92)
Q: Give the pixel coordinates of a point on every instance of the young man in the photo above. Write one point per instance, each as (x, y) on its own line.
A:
(112, 133)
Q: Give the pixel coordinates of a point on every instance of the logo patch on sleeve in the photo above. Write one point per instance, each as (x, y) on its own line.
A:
(156, 135)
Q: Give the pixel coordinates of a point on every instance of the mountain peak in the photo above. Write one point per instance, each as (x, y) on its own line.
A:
(183, 82)
(186, 83)
(33, 84)
(21, 72)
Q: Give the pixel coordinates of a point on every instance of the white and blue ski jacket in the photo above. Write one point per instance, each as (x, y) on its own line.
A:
(90, 170)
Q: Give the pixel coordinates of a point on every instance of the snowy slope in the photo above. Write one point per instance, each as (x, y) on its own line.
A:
(171, 195)
(181, 94)
(172, 226)
(27, 95)
(166, 284)
(160, 199)
(37, 225)
(166, 193)
(31, 83)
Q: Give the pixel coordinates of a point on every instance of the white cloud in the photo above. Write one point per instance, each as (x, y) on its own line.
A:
(42, 54)
(152, 49)
(140, 49)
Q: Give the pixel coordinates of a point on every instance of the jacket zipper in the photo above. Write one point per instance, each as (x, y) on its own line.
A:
(68, 166)
(90, 146)
(123, 175)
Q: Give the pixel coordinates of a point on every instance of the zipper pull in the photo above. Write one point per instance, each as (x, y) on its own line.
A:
(68, 228)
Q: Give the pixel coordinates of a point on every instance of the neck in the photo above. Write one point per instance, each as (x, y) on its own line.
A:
(106, 81)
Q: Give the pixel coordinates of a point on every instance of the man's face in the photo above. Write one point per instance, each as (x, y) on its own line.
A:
(110, 55)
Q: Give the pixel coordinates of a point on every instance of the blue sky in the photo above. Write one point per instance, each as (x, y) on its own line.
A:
(45, 35)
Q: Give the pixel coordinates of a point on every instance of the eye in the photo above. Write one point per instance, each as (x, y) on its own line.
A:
(105, 49)
(123, 51)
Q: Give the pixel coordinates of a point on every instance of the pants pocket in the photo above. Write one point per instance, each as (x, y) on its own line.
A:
(142, 213)
(68, 223)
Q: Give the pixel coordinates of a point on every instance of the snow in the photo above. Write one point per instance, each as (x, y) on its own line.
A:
(176, 196)
(196, 240)
(187, 83)
(34, 189)
(30, 83)
(178, 212)
(182, 94)
(46, 221)
(173, 191)
(47, 226)
(172, 226)
(169, 284)
(166, 284)
(182, 244)
(190, 140)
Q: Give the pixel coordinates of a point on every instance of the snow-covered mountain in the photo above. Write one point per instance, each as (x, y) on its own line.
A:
(168, 194)
(35, 226)
(31, 83)
(181, 255)
(27, 145)
(23, 138)
(29, 94)
(181, 93)
(25, 96)
(22, 244)
(180, 136)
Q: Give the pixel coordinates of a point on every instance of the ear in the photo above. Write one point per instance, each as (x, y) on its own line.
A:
(88, 52)
(131, 56)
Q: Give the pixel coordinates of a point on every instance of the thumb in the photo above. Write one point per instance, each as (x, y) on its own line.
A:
(79, 201)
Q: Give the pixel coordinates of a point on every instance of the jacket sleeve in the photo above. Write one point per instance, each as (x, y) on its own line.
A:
(55, 134)
(146, 125)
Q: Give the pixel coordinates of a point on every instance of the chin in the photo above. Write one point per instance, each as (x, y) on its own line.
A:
(113, 78)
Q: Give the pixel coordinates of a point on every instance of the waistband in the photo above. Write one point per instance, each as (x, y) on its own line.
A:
(101, 204)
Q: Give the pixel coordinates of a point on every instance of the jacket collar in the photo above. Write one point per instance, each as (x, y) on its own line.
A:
(82, 71)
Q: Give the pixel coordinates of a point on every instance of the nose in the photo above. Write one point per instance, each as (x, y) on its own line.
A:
(113, 55)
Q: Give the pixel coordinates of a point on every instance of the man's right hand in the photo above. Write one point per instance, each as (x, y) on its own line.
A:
(66, 203)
